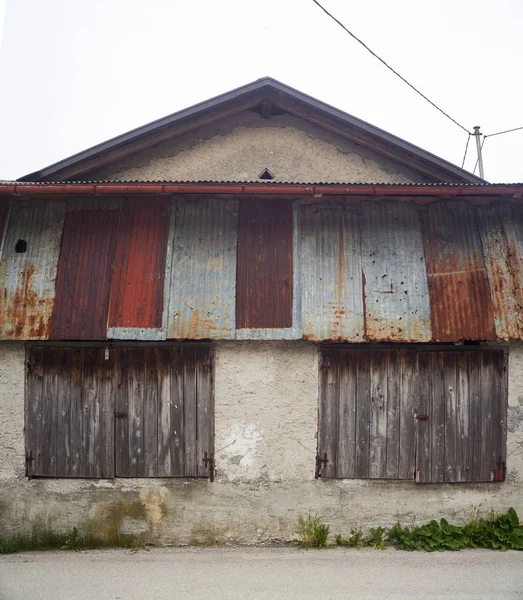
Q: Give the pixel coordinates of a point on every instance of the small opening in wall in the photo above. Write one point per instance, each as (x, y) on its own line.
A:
(21, 246)
(266, 174)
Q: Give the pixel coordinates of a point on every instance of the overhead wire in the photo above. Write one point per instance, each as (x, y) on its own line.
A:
(506, 131)
(388, 66)
(466, 148)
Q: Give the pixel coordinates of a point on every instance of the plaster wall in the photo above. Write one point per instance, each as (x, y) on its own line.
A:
(265, 420)
(239, 148)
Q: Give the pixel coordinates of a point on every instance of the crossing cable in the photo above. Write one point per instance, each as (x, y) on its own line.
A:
(388, 66)
(466, 148)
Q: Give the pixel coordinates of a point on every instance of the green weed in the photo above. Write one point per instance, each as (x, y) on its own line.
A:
(312, 533)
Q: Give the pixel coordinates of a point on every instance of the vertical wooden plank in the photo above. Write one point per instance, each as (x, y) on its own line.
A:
(34, 406)
(77, 412)
(91, 401)
(488, 390)
(348, 375)
(423, 428)
(438, 394)
(63, 398)
(363, 414)
(451, 416)
(121, 403)
(150, 414)
(135, 399)
(409, 400)
(499, 444)
(203, 411)
(378, 415)
(462, 469)
(177, 433)
(106, 442)
(474, 447)
(49, 412)
(328, 410)
(164, 414)
(392, 428)
(190, 416)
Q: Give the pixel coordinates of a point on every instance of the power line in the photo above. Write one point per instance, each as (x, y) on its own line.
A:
(466, 148)
(477, 161)
(501, 132)
(388, 66)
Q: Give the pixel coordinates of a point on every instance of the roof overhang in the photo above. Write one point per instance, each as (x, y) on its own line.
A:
(267, 96)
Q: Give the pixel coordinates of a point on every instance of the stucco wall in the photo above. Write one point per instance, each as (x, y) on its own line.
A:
(266, 400)
(239, 148)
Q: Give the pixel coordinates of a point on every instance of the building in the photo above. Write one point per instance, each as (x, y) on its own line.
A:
(251, 308)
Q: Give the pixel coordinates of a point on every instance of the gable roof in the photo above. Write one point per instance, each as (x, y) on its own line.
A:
(268, 97)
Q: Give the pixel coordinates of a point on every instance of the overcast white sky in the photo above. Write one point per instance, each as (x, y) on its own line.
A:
(77, 72)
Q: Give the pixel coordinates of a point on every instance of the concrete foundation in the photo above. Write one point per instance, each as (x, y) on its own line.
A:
(266, 424)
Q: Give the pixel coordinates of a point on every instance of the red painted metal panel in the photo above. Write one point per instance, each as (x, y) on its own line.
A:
(84, 275)
(264, 282)
(139, 266)
(460, 299)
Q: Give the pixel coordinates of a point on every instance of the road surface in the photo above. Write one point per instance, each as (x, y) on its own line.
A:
(260, 574)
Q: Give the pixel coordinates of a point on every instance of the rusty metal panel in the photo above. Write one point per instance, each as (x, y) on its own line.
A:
(396, 295)
(203, 275)
(459, 289)
(4, 214)
(264, 282)
(28, 269)
(137, 290)
(331, 274)
(504, 268)
(84, 275)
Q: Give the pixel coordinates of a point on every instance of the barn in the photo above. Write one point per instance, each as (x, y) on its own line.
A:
(252, 308)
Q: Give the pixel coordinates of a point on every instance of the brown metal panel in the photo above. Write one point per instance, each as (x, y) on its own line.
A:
(84, 275)
(4, 213)
(139, 267)
(28, 269)
(459, 290)
(264, 283)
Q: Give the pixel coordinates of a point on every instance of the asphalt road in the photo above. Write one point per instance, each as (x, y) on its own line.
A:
(260, 574)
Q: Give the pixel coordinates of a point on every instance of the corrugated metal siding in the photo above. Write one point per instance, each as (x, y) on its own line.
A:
(137, 290)
(84, 275)
(203, 277)
(459, 289)
(4, 214)
(397, 302)
(331, 274)
(264, 279)
(28, 278)
(499, 239)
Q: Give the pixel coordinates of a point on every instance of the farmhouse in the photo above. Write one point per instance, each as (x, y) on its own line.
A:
(254, 307)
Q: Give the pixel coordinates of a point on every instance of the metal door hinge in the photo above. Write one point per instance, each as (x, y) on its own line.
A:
(321, 462)
(208, 461)
(422, 417)
(499, 473)
(120, 415)
(28, 461)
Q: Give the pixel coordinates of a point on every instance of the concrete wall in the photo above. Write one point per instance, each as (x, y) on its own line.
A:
(266, 400)
(239, 148)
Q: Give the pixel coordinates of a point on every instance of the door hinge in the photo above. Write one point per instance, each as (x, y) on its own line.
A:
(120, 415)
(499, 473)
(321, 462)
(28, 461)
(422, 417)
(208, 461)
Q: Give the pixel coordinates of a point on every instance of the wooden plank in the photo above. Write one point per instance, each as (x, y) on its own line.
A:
(63, 399)
(461, 466)
(121, 404)
(408, 405)
(91, 417)
(392, 435)
(164, 414)
(423, 428)
(363, 414)
(488, 390)
(328, 411)
(106, 443)
(77, 411)
(177, 434)
(348, 391)
(136, 397)
(204, 444)
(499, 445)
(150, 414)
(451, 406)
(437, 417)
(378, 415)
(34, 404)
(49, 412)
(474, 449)
(190, 416)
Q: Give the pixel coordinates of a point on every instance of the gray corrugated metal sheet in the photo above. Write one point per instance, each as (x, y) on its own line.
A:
(203, 277)
(397, 302)
(29, 278)
(331, 274)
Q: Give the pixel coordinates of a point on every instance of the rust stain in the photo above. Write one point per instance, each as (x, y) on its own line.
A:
(459, 290)
(139, 271)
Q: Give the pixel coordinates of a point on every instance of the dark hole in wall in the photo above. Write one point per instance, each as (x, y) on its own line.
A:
(20, 246)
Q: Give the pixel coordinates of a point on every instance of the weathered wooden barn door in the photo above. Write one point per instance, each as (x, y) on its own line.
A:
(462, 415)
(163, 409)
(69, 412)
(368, 398)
